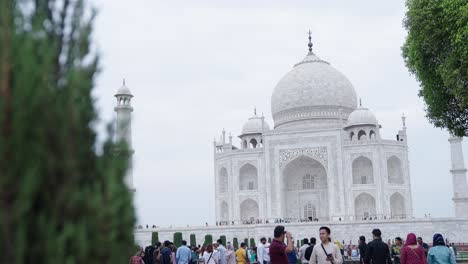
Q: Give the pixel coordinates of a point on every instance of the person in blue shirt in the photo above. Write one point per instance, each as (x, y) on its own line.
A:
(439, 253)
(292, 256)
(183, 254)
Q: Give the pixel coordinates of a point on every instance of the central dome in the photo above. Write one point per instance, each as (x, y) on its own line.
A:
(312, 94)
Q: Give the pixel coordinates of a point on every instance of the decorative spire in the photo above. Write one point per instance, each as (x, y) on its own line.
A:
(310, 41)
(403, 119)
(255, 111)
(360, 102)
(123, 82)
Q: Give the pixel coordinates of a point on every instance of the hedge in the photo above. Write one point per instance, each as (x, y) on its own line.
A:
(223, 238)
(208, 240)
(235, 243)
(252, 242)
(154, 238)
(177, 239)
(193, 240)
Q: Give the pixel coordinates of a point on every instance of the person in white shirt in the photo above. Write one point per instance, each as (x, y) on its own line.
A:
(263, 255)
(325, 252)
(303, 249)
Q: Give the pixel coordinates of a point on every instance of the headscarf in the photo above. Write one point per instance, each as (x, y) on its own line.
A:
(438, 240)
(340, 246)
(410, 239)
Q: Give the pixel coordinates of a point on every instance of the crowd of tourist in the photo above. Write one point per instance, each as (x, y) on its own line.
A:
(413, 250)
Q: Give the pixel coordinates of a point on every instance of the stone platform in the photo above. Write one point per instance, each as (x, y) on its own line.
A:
(454, 229)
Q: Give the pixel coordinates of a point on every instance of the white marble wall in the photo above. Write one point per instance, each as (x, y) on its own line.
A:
(456, 230)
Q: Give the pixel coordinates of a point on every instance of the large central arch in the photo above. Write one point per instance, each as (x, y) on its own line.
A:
(364, 206)
(304, 181)
(249, 210)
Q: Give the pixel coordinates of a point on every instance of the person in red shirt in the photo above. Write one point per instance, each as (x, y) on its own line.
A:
(136, 259)
(278, 250)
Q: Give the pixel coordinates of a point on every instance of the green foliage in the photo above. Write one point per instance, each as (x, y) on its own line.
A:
(193, 240)
(436, 52)
(177, 239)
(298, 244)
(154, 238)
(235, 243)
(246, 241)
(252, 242)
(208, 240)
(223, 238)
(269, 240)
(62, 197)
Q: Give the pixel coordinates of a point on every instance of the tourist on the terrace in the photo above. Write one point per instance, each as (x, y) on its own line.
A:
(263, 255)
(362, 248)
(396, 250)
(302, 251)
(230, 254)
(208, 255)
(309, 250)
(425, 246)
(377, 251)
(326, 252)
(166, 253)
(137, 259)
(194, 255)
(439, 253)
(278, 250)
(183, 254)
(241, 254)
(222, 252)
(412, 253)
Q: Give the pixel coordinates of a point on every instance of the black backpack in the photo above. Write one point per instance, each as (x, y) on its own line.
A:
(308, 252)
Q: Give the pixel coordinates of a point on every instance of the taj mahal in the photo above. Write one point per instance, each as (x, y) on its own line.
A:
(322, 162)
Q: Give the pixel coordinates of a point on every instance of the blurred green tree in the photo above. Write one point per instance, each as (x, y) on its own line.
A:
(62, 197)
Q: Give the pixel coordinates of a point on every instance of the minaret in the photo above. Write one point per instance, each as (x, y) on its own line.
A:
(123, 129)
(460, 188)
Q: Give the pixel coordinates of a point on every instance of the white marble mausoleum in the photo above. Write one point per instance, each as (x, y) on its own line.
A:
(323, 158)
(322, 162)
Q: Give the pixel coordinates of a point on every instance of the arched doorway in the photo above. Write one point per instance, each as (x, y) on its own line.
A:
(223, 180)
(249, 210)
(363, 172)
(304, 181)
(248, 177)
(364, 206)
(397, 206)
(395, 171)
(224, 213)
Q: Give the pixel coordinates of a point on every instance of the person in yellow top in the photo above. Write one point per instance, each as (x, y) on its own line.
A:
(241, 254)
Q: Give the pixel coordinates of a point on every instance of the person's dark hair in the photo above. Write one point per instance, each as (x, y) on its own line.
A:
(305, 241)
(209, 248)
(376, 232)
(184, 242)
(325, 228)
(167, 243)
(158, 244)
(362, 238)
(398, 238)
(313, 240)
(220, 241)
(279, 231)
(419, 238)
(263, 239)
(242, 244)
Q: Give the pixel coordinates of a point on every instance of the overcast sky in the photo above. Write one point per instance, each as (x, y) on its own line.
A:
(196, 67)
